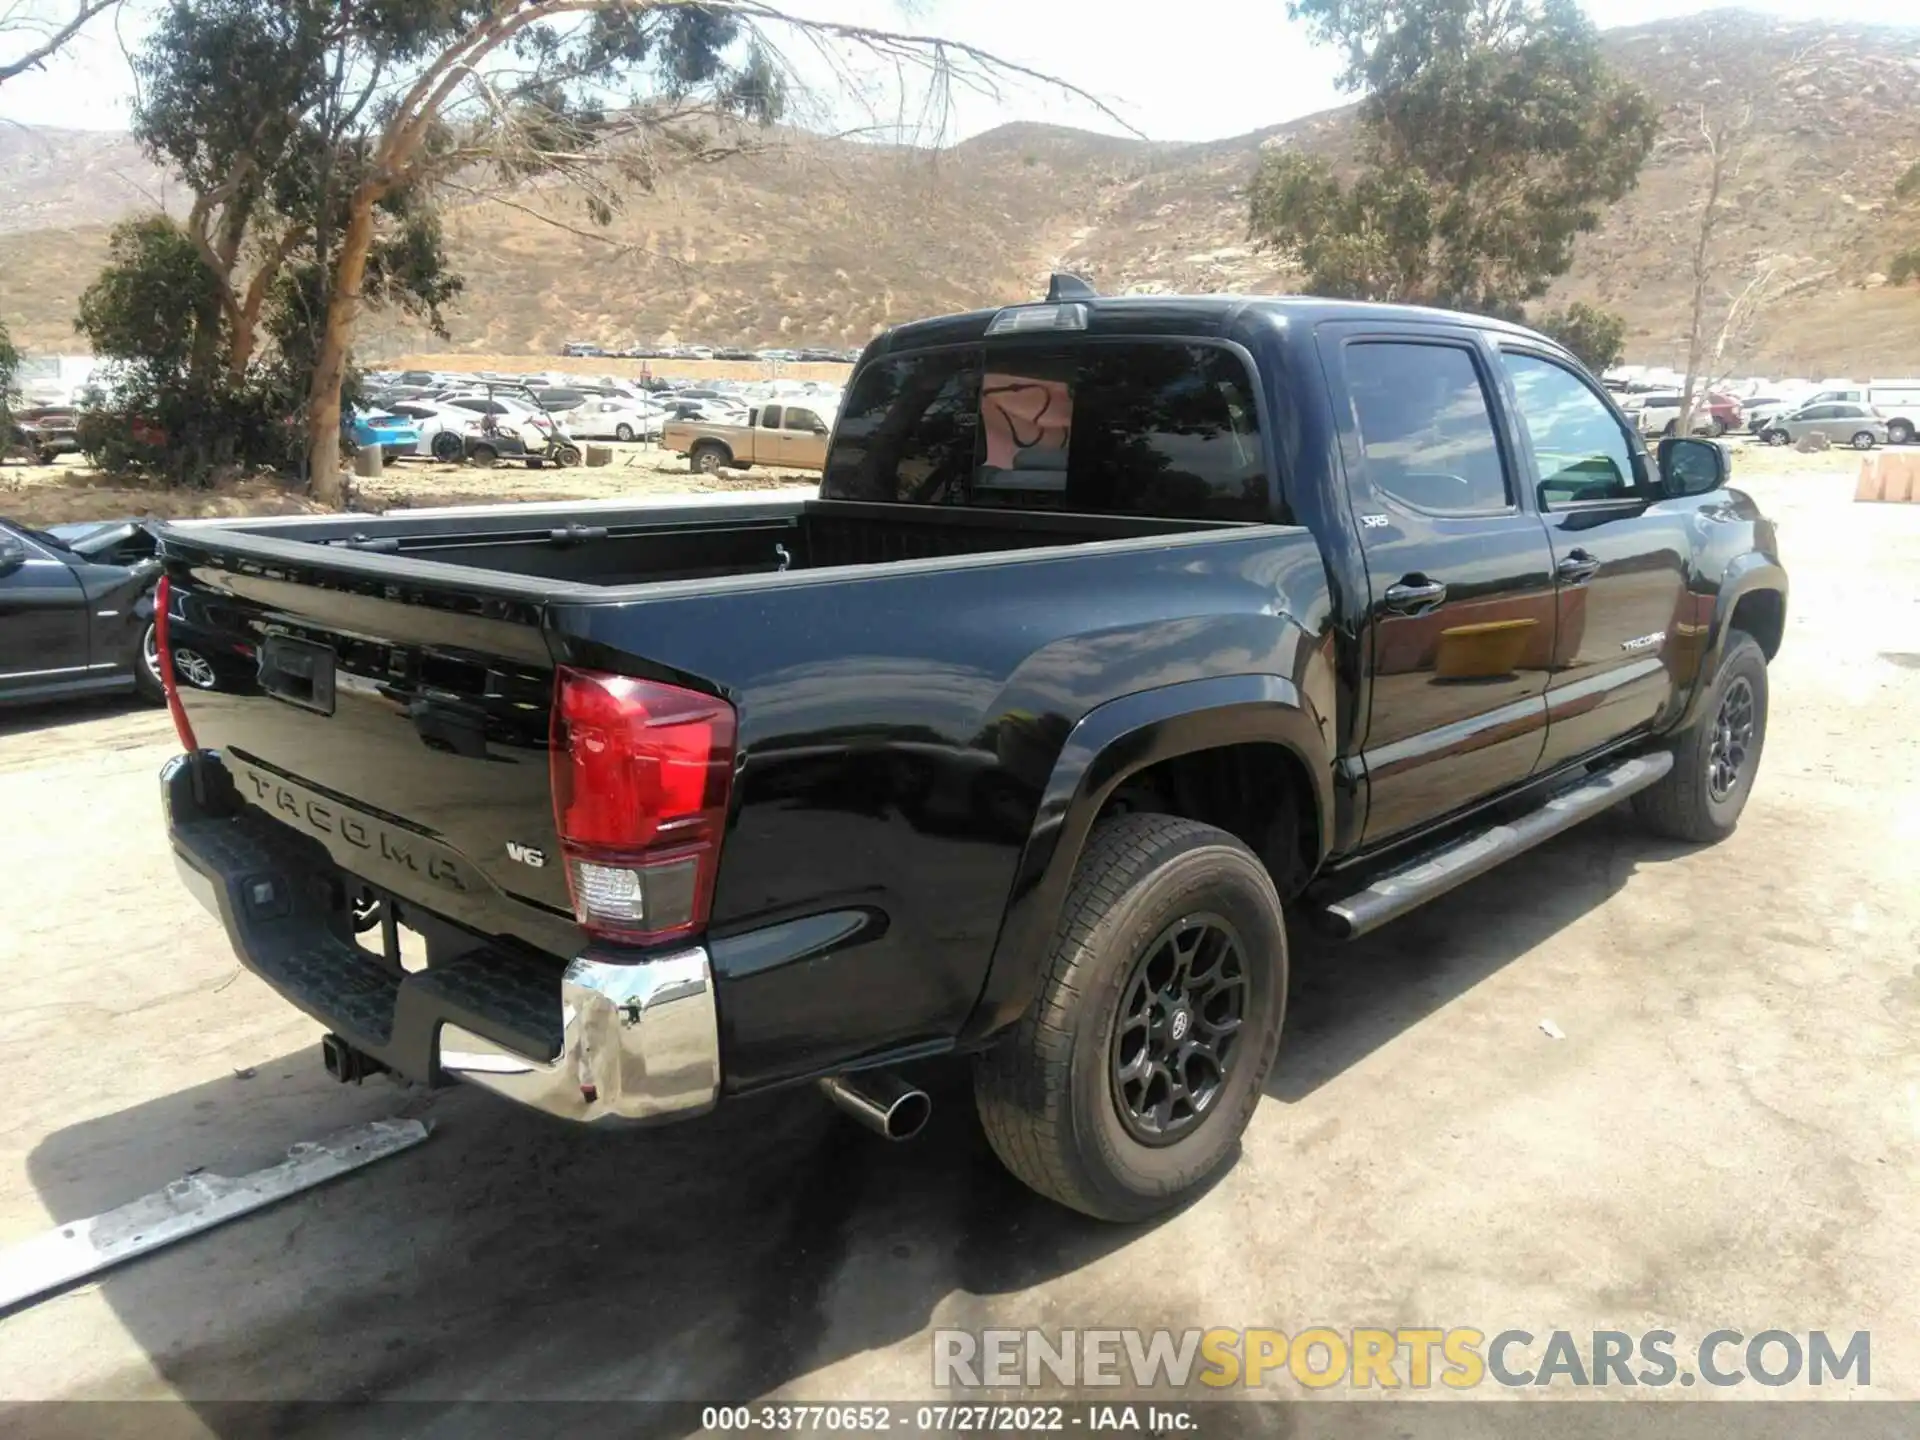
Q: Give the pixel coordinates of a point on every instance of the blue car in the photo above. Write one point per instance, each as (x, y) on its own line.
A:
(394, 434)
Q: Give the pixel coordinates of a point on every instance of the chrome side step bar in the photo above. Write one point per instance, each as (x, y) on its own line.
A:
(1438, 871)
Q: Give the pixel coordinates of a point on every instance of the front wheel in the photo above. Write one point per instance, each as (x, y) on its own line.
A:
(1776, 437)
(1863, 440)
(623, 432)
(1899, 432)
(447, 447)
(1716, 427)
(1129, 1081)
(147, 683)
(1715, 760)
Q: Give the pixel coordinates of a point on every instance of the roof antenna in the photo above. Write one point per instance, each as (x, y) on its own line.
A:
(1062, 287)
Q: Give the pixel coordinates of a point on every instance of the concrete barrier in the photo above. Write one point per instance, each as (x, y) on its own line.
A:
(1889, 477)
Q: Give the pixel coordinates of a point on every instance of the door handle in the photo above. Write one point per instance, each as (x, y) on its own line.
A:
(1577, 567)
(1414, 593)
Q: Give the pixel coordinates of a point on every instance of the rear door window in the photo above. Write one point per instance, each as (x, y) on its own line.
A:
(1149, 428)
(1426, 427)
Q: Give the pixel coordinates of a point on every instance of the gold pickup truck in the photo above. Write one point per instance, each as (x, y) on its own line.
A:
(793, 437)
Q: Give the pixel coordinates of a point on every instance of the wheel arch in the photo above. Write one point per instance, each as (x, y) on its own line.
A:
(1114, 743)
(1753, 599)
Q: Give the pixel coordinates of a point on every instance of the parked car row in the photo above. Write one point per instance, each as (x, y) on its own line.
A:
(1874, 412)
(812, 354)
(450, 415)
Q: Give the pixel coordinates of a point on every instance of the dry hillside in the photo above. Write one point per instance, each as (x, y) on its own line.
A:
(823, 241)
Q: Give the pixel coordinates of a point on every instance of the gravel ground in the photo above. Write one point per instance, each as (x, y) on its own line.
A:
(1727, 1135)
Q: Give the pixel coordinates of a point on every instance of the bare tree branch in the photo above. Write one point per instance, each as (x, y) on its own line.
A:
(52, 38)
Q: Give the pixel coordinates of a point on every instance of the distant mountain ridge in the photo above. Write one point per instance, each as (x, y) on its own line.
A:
(823, 241)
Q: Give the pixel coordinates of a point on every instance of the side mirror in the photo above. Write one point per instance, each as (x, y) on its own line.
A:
(13, 555)
(1692, 467)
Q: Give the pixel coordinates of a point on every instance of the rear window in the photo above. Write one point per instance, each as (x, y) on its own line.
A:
(1154, 428)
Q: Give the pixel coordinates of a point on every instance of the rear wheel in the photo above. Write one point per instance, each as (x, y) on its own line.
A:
(1128, 1083)
(710, 458)
(1863, 440)
(623, 432)
(566, 455)
(1714, 761)
(483, 455)
(446, 447)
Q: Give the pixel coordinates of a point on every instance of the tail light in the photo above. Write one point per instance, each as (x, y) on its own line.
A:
(163, 648)
(641, 775)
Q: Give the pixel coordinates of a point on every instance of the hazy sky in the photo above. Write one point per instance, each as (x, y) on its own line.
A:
(1196, 70)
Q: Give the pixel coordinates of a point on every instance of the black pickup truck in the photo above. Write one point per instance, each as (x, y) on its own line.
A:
(1117, 626)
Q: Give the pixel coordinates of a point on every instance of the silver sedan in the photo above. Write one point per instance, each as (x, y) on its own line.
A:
(1853, 425)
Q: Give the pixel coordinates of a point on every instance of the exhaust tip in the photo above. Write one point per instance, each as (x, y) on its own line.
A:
(909, 1115)
(881, 1101)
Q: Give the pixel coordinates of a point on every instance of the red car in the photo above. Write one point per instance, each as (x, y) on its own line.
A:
(1726, 411)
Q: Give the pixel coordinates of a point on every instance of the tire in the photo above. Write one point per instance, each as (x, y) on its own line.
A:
(447, 447)
(567, 455)
(146, 667)
(1899, 432)
(1863, 441)
(1672, 428)
(1047, 1092)
(1776, 437)
(623, 432)
(709, 457)
(1717, 427)
(1691, 802)
(483, 455)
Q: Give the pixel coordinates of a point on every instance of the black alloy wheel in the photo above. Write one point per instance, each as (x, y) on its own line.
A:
(1180, 1016)
(1732, 738)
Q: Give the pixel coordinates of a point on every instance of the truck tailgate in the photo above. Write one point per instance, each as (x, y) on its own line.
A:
(402, 722)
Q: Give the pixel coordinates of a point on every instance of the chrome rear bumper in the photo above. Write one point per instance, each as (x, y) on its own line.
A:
(625, 1040)
(641, 1043)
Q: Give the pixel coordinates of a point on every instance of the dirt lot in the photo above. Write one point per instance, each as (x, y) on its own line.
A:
(1727, 1136)
(51, 495)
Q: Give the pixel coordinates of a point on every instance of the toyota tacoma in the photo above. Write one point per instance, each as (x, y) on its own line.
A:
(1121, 632)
